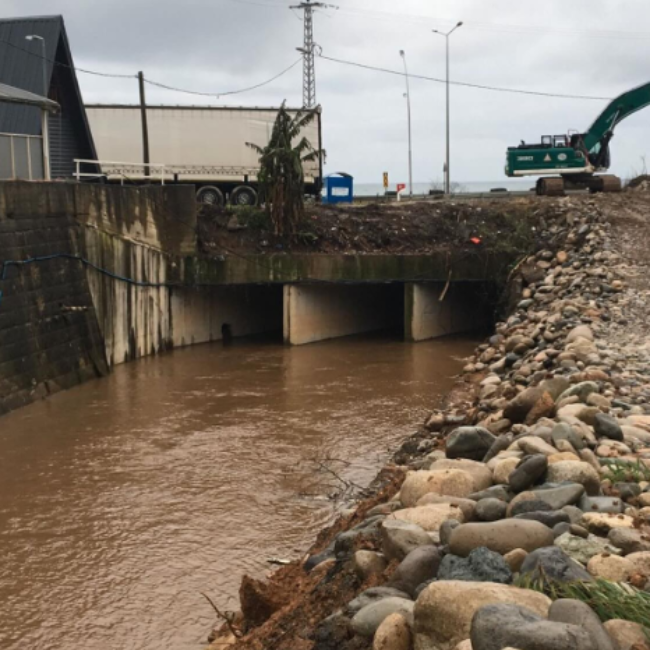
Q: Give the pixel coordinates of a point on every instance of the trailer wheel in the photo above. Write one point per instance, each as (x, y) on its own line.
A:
(210, 195)
(243, 196)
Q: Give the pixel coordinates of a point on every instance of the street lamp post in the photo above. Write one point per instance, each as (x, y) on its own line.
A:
(36, 37)
(447, 162)
(408, 107)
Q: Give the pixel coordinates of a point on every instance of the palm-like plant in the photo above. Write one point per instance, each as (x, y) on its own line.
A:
(281, 176)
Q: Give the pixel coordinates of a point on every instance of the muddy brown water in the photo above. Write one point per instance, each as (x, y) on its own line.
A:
(123, 499)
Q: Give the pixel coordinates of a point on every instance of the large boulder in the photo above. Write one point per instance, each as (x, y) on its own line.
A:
(446, 482)
(399, 538)
(469, 442)
(366, 621)
(500, 536)
(499, 626)
(430, 517)
(444, 610)
(482, 565)
(553, 563)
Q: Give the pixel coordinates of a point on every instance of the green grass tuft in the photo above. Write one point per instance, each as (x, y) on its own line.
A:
(619, 471)
(610, 600)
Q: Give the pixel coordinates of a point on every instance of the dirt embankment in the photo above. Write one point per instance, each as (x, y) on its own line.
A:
(395, 228)
(572, 359)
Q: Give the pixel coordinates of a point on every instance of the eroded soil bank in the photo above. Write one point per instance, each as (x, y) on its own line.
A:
(518, 516)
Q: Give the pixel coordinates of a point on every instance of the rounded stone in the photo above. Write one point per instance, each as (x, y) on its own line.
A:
(503, 469)
(528, 472)
(444, 610)
(601, 523)
(500, 536)
(368, 619)
(399, 538)
(367, 563)
(469, 442)
(466, 505)
(627, 635)
(579, 614)
(490, 510)
(515, 559)
(450, 482)
(575, 472)
(610, 567)
(606, 426)
(417, 567)
(498, 626)
(393, 633)
(430, 517)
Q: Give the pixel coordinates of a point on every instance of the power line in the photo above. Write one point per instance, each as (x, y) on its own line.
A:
(224, 93)
(65, 65)
(462, 83)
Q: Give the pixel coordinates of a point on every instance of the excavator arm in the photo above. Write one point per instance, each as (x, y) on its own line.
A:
(602, 129)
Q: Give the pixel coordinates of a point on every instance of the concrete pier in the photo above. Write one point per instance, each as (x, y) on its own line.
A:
(435, 309)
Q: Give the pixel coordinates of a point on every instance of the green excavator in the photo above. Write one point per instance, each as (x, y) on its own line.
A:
(572, 161)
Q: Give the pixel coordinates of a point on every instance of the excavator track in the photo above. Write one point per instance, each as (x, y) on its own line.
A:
(550, 187)
(608, 184)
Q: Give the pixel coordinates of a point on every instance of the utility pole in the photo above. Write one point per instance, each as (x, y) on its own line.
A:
(308, 52)
(145, 126)
(408, 108)
(447, 163)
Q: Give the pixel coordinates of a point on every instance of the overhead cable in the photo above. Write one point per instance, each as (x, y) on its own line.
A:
(463, 83)
(224, 93)
(65, 65)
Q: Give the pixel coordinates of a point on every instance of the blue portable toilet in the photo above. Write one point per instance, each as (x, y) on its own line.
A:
(339, 188)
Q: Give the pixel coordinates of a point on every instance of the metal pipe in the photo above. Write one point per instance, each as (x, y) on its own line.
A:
(45, 130)
(408, 107)
(145, 126)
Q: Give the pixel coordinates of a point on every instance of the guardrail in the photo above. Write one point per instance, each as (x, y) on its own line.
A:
(125, 170)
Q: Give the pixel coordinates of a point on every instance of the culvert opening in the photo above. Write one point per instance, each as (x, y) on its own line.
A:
(246, 311)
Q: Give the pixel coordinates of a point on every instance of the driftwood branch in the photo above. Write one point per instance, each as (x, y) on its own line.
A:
(227, 617)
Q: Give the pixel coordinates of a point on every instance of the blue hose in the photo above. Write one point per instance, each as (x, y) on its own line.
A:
(85, 262)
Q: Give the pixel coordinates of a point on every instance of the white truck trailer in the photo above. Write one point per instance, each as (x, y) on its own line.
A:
(194, 145)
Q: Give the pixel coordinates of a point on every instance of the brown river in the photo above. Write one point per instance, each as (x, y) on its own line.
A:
(123, 499)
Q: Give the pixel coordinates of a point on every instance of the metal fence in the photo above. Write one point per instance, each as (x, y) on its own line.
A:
(21, 157)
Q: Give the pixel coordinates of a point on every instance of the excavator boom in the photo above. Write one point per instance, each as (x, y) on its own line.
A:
(622, 107)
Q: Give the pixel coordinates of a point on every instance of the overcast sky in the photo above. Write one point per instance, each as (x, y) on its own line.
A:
(584, 47)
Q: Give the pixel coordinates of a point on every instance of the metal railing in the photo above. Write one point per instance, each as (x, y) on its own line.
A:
(123, 170)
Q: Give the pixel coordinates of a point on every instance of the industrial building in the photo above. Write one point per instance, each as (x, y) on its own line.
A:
(35, 56)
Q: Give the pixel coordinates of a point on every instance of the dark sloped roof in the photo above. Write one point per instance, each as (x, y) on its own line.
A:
(21, 66)
(11, 95)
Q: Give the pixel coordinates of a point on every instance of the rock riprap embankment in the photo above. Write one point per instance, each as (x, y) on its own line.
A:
(538, 476)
